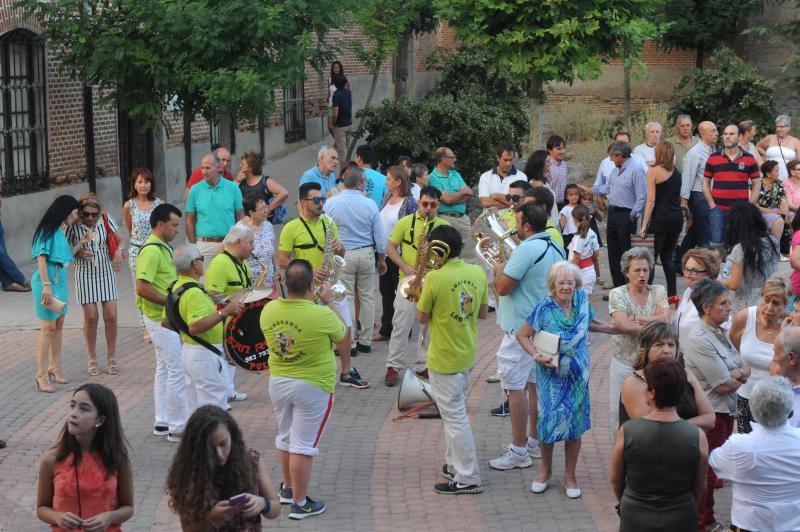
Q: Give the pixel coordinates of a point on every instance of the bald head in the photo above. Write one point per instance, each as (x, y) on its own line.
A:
(707, 132)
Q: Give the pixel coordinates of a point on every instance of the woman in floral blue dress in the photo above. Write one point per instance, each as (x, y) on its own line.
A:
(562, 386)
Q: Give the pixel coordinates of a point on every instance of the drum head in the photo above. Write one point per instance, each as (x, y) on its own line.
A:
(244, 340)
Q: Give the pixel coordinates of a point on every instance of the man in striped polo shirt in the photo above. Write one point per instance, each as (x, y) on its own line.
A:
(731, 175)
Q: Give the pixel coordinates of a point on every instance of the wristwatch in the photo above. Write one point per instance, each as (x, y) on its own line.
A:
(267, 506)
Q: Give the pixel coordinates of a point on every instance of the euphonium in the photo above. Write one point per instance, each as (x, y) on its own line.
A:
(331, 264)
(494, 244)
(430, 256)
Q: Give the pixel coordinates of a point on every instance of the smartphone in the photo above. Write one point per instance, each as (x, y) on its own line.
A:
(238, 499)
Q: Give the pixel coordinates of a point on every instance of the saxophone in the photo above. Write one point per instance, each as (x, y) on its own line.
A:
(430, 256)
(331, 264)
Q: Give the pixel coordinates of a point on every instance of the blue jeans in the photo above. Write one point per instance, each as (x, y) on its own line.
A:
(717, 220)
(9, 273)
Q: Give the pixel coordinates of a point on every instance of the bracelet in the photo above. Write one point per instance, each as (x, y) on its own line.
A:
(267, 506)
(46, 283)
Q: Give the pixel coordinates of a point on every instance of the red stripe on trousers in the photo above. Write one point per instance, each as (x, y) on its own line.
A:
(324, 420)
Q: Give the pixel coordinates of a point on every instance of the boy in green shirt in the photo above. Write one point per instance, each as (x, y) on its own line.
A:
(453, 298)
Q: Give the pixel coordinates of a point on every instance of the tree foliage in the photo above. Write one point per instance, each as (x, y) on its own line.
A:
(465, 114)
(704, 25)
(727, 93)
(201, 56)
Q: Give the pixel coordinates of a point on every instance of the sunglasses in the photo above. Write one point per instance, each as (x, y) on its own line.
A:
(317, 201)
(513, 197)
(86, 214)
(429, 204)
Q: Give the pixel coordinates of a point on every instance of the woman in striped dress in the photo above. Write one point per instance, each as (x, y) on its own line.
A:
(95, 277)
(137, 210)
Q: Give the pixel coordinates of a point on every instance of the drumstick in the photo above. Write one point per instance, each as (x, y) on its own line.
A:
(263, 273)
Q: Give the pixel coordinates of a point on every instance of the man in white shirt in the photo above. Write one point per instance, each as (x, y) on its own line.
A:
(647, 149)
(493, 184)
(786, 362)
(765, 464)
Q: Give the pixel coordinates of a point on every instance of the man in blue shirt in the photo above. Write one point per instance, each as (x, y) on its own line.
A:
(456, 196)
(322, 172)
(361, 233)
(626, 191)
(341, 121)
(521, 282)
(375, 181)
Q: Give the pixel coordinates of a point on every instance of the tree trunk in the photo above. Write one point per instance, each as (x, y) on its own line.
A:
(356, 134)
(536, 111)
(403, 68)
(700, 57)
(187, 142)
(627, 82)
(88, 132)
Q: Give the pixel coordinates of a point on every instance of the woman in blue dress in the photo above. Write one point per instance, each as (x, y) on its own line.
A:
(52, 253)
(562, 384)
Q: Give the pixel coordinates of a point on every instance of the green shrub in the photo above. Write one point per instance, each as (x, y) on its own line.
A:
(729, 92)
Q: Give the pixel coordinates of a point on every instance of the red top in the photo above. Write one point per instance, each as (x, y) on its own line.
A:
(98, 494)
(197, 176)
(731, 177)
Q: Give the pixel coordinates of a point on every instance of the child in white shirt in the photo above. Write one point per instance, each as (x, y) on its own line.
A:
(584, 249)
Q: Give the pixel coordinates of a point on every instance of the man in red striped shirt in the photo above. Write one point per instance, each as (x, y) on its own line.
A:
(731, 175)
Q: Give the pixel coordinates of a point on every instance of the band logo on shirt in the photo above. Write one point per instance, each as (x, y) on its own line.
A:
(286, 341)
(466, 300)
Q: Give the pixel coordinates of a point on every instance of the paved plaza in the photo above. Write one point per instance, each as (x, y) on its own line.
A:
(372, 472)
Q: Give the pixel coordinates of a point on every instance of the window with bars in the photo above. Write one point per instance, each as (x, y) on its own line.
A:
(23, 113)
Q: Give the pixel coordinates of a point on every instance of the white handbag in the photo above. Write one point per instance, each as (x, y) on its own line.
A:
(547, 344)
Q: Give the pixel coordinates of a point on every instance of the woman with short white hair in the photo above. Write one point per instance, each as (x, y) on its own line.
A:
(562, 387)
(764, 465)
(780, 147)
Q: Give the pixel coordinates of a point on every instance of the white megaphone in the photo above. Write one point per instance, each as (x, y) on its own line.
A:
(415, 395)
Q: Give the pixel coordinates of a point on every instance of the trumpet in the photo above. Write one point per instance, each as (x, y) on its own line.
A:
(494, 244)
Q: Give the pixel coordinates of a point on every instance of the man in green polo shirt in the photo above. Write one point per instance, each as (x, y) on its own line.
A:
(304, 238)
(212, 207)
(206, 376)
(456, 197)
(154, 273)
(453, 298)
(229, 274)
(401, 248)
(302, 378)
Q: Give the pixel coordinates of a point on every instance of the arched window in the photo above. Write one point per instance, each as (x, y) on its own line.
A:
(23, 113)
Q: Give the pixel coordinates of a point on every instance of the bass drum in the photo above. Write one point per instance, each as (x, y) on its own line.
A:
(244, 343)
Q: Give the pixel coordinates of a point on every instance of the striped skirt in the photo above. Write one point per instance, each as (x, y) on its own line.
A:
(95, 283)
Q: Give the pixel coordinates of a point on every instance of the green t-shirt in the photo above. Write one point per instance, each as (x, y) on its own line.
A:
(296, 239)
(193, 306)
(299, 335)
(453, 295)
(154, 265)
(511, 221)
(406, 233)
(452, 183)
(215, 207)
(226, 274)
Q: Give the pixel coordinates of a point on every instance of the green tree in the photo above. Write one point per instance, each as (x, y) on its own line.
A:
(727, 93)
(558, 40)
(199, 56)
(704, 25)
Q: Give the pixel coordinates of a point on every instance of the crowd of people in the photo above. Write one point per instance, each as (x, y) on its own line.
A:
(686, 368)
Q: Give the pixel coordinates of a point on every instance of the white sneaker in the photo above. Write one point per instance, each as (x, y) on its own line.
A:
(510, 460)
(238, 396)
(493, 378)
(533, 450)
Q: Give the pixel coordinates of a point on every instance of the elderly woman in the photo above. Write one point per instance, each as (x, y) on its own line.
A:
(96, 277)
(697, 264)
(765, 464)
(753, 334)
(562, 386)
(252, 181)
(659, 462)
(780, 147)
(631, 307)
(264, 251)
(718, 367)
(660, 340)
(753, 254)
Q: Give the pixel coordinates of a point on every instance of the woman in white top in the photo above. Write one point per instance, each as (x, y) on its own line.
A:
(397, 203)
(781, 147)
(753, 334)
(697, 264)
(572, 198)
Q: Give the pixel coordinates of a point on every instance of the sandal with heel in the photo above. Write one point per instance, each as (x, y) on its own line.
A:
(56, 376)
(92, 368)
(112, 367)
(43, 385)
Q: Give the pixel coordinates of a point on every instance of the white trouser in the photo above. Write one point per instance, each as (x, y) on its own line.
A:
(619, 370)
(359, 274)
(450, 394)
(302, 411)
(463, 225)
(588, 276)
(405, 316)
(489, 277)
(208, 250)
(230, 375)
(169, 385)
(206, 380)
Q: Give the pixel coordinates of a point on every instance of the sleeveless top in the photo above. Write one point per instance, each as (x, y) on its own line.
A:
(687, 408)
(668, 201)
(140, 223)
(756, 353)
(86, 491)
(781, 155)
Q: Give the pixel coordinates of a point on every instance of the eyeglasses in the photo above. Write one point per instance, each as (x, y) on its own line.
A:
(317, 201)
(692, 271)
(87, 214)
(429, 204)
(513, 197)
(196, 259)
